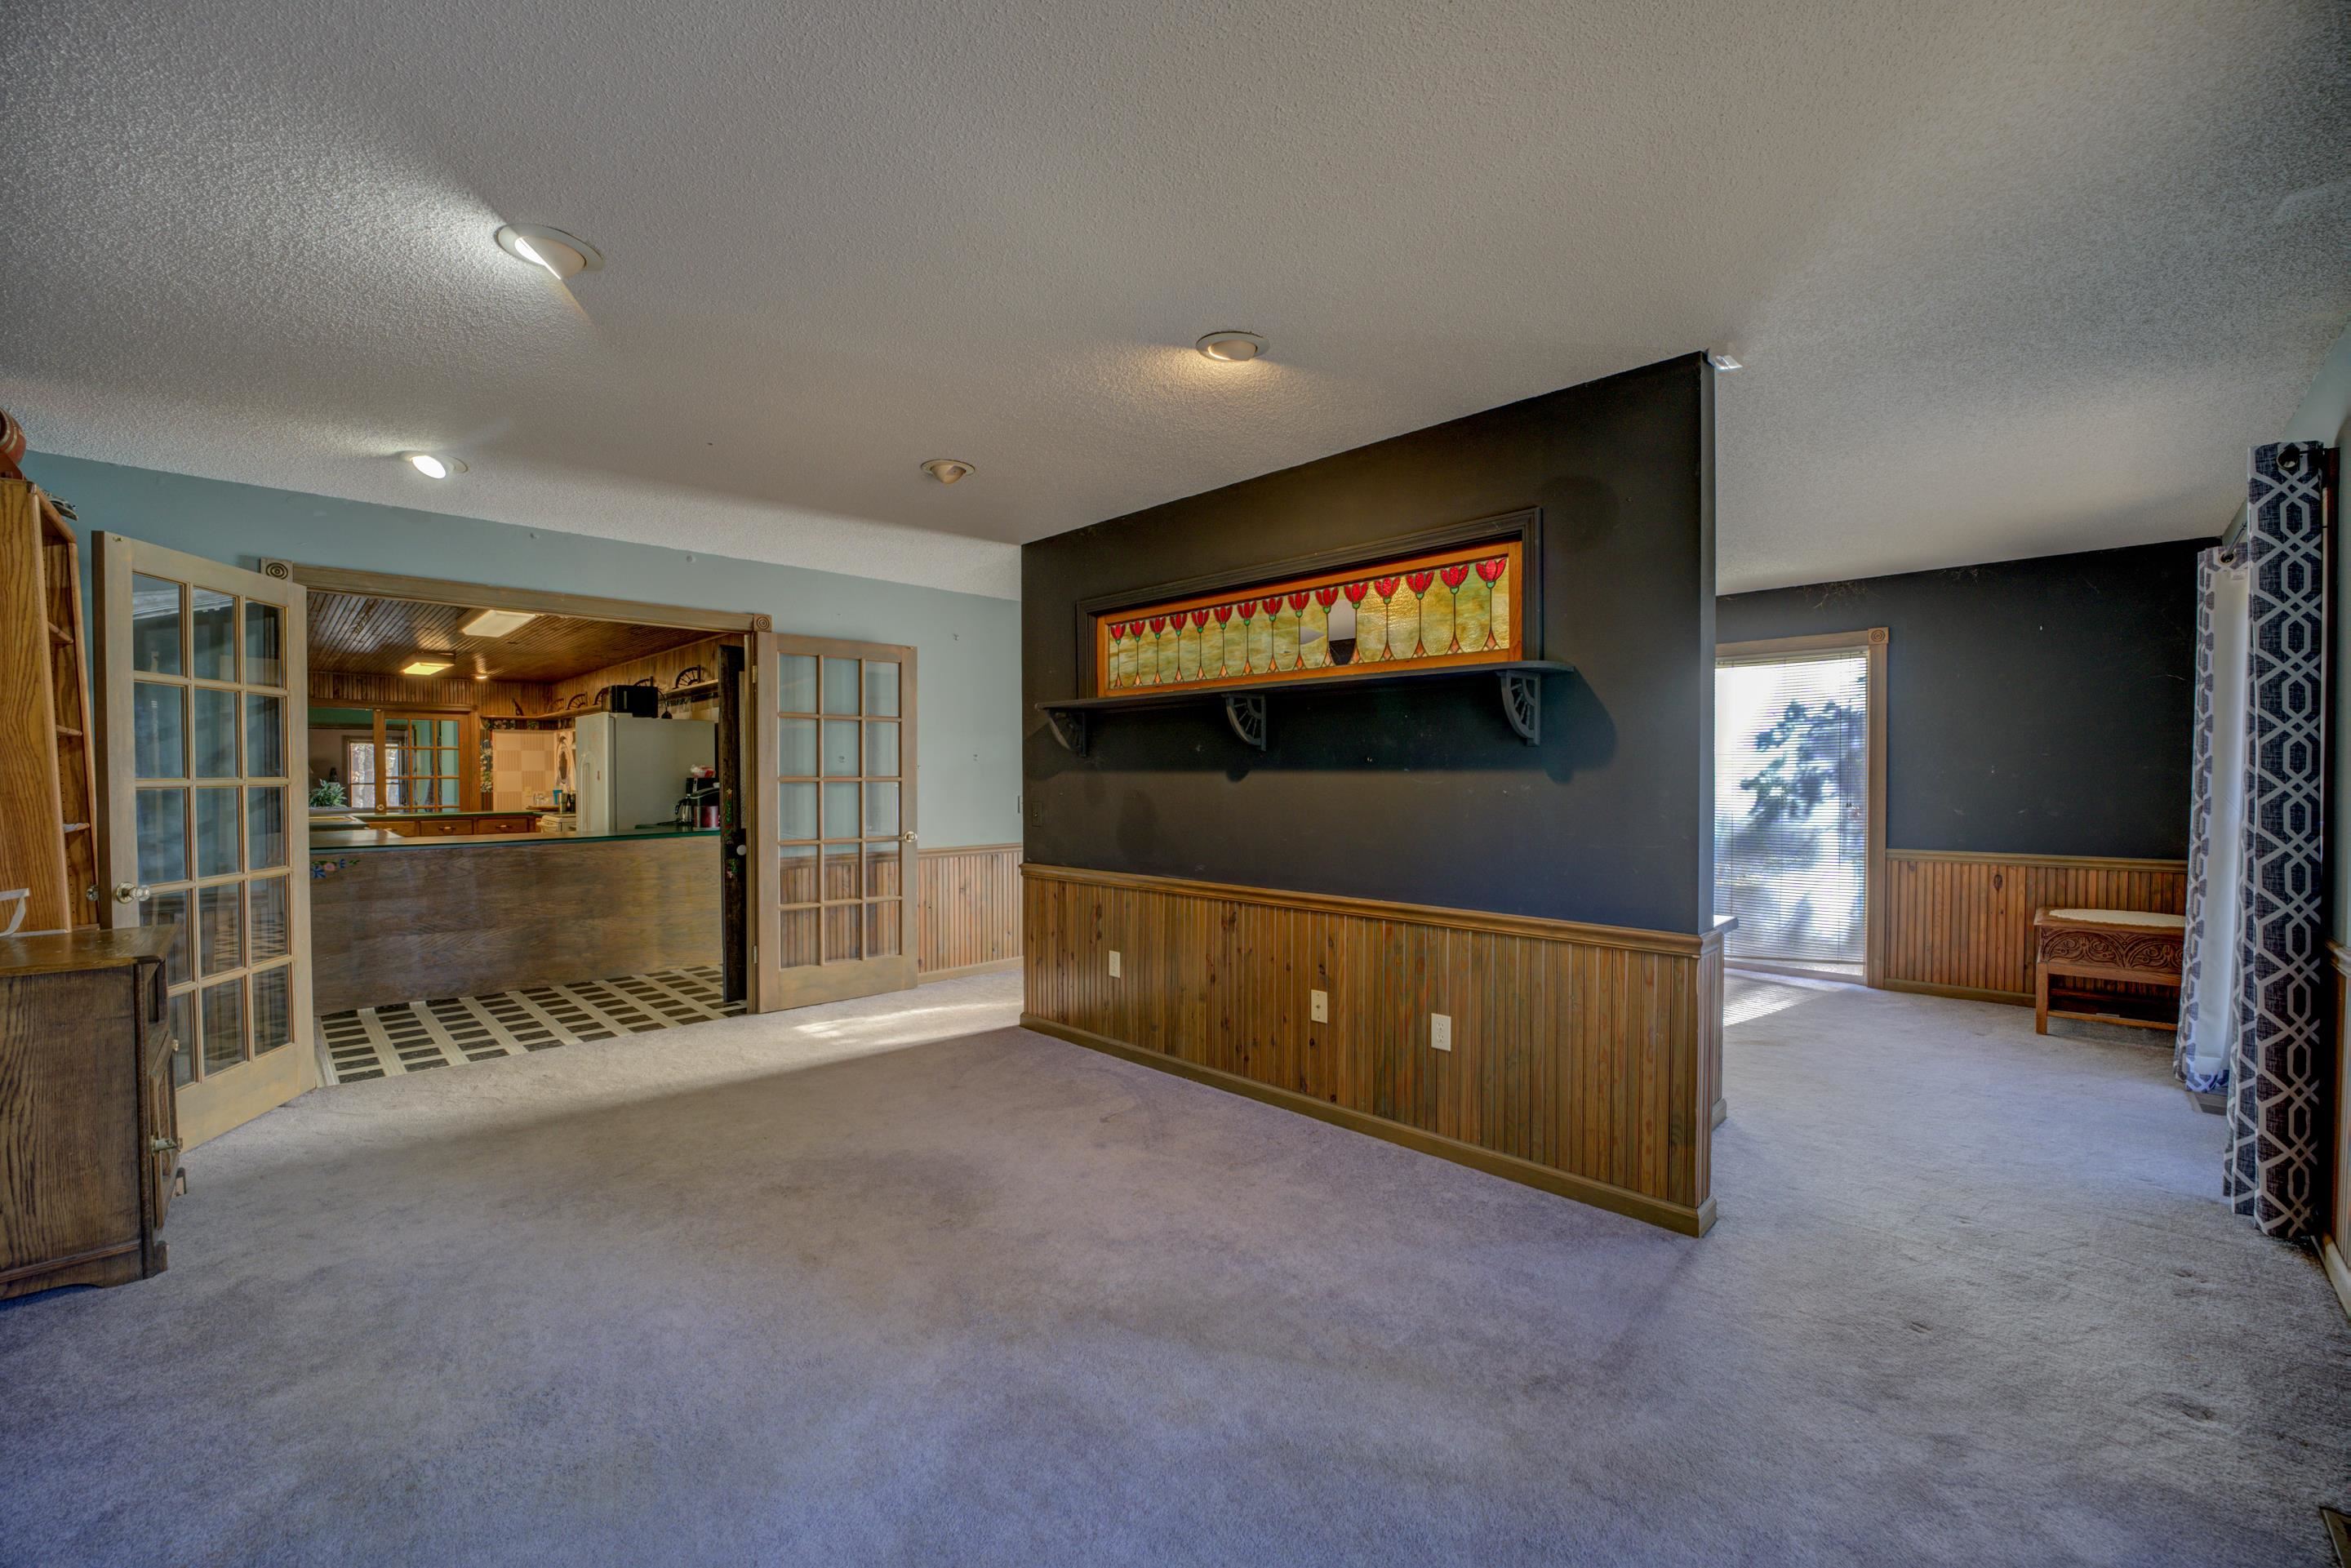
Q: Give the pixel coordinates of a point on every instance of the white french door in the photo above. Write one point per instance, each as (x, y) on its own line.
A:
(833, 734)
(203, 717)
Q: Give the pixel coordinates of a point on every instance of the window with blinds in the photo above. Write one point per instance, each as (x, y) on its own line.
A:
(1792, 804)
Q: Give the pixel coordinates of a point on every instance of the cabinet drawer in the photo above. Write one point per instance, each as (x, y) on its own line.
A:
(443, 827)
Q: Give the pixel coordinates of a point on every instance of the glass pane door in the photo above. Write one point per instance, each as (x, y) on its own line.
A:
(839, 737)
(1792, 804)
(203, 693)
(423, 762)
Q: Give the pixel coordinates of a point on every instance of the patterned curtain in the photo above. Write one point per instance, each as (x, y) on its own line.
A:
(2216, 816)
(2279, 1095)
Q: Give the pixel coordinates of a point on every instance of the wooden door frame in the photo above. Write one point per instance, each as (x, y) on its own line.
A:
(533, 601)
(770, 989)
(293, 1068)
(469, 759)
(745, 624)
(1872, 640)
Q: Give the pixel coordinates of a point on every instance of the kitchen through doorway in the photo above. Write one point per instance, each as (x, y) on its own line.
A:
(525, 821)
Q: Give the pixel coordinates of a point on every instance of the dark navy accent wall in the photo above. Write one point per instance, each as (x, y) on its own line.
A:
(2033, 707)
(1422, 794)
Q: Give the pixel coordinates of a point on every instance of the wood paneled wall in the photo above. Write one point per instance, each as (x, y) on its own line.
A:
(1585, 1058)
(970, 917)
(664, 667)
(1962, 925)
(496, 698)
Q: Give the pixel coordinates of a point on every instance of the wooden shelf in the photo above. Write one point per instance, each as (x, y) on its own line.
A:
(1519, 682)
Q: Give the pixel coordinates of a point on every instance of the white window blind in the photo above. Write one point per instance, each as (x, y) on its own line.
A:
(1790, 806)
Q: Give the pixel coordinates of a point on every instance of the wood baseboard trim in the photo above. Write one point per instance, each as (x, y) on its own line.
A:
(993, 967)
(1676, 943)
(2338, 1272)
(1599, 1194)
(1977, 857)
(1958, 993)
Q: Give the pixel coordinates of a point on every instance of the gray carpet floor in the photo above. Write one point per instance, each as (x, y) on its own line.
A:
(894, 1283)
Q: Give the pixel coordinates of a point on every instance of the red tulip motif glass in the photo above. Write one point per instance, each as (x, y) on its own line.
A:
(1491, 573)
(1453, 577)
(1420, 582)
(1386, 587)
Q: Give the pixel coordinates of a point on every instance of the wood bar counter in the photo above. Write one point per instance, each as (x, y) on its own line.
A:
(396, 919)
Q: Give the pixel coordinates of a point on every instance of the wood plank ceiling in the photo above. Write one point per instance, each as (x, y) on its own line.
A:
(361, 635)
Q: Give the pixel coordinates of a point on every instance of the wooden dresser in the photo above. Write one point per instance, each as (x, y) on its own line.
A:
(90, 1143)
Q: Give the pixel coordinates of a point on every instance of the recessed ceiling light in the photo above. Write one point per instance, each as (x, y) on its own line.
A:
(946, 470)
(433, 467)
(564, 256)
(424, 666)
(1722, 361)
(496, 622)
(481, 677)
(1231, 347)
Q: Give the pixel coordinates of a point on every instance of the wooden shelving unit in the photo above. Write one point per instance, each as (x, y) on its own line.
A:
(1245, 706)
(49, 793)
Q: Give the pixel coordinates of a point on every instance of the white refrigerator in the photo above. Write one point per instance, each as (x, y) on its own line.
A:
(632, 772)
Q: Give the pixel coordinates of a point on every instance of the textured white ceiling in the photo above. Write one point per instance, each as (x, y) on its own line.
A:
(2012, 277)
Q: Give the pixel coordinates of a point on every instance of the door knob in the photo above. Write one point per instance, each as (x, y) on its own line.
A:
(129, 892)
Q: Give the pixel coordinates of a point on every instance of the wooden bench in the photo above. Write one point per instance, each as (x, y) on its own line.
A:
(2130, 946)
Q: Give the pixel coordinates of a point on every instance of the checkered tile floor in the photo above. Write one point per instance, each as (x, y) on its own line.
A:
(451, 1031)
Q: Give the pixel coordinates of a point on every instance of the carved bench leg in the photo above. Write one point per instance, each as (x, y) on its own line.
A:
(2041, 999)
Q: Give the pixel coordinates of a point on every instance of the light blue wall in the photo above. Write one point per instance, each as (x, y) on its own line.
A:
(968, 659)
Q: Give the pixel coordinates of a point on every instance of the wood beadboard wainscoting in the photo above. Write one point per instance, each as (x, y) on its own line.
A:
(970, 918)
(1962, 925)
(1585, 1058)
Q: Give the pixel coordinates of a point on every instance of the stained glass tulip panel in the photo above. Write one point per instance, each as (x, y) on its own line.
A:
(1455, 606)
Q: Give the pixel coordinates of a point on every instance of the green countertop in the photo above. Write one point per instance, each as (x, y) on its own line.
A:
(340, 840)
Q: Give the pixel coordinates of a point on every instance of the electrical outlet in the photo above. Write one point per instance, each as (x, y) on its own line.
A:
(1113, 962)
(1317, 1005)
(1440, 1032)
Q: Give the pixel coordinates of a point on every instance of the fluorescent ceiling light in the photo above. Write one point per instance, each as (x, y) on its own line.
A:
(424, 667)
(496, 622)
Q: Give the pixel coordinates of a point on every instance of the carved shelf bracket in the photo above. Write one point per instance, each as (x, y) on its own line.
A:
(1245, 711)
(1068, 728)
(1522, 704)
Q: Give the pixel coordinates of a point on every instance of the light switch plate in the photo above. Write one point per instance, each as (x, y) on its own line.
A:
(1113, 962)
(1440, 1032)
(1317, 1005)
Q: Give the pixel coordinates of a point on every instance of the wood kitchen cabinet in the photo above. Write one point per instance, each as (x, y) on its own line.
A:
(457, 824)
(90, 1138)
